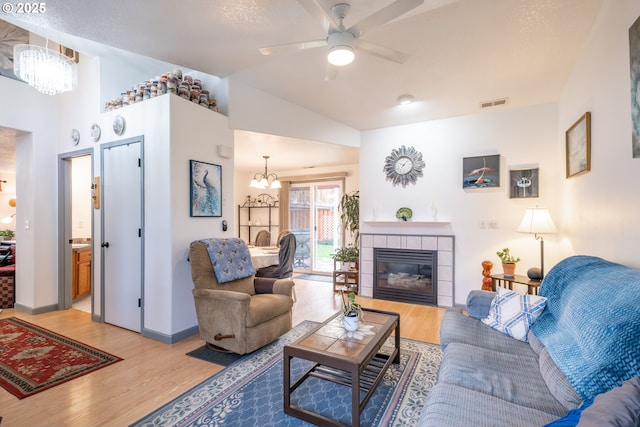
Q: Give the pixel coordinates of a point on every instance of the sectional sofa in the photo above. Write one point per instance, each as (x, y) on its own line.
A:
(578, 356)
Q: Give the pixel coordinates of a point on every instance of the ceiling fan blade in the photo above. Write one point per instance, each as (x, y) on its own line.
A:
(330, 72)
(382, 52)
(327, 20)
(292, 47)
(384, 15)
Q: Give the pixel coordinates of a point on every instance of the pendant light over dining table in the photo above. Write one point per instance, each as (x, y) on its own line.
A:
(265, 180)
(46, 70)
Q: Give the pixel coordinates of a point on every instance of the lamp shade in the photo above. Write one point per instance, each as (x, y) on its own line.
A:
(537, 221)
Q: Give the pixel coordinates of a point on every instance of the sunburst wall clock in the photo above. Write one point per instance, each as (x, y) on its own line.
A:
(403, 166)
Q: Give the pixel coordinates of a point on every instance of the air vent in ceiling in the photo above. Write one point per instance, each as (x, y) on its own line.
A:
(494, 103)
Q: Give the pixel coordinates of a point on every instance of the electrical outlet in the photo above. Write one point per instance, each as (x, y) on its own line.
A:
(483, 224)
(493, 224)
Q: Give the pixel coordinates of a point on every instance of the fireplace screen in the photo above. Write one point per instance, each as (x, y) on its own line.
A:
(406, 276)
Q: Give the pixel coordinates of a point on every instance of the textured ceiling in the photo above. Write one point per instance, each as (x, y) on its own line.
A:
(462, 52)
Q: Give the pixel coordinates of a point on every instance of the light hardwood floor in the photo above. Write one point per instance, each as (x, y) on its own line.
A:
(153, 373)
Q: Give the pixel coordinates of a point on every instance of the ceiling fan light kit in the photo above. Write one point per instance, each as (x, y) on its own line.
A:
(343, 42)
(340, 48)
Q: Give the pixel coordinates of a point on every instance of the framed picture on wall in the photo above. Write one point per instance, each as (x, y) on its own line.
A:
(481, 171)
(578, 146)
(634, 61)
(523, 183)
(206, 189)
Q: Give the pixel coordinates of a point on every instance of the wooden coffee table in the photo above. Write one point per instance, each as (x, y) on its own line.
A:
(345, 358)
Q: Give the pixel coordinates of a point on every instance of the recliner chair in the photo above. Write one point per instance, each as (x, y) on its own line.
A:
(239, 315)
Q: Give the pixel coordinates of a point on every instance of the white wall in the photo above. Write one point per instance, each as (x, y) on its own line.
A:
(525, 136)
(255, 110)
(25, 109)
(195, 133)
(175, 131)
(599, 210)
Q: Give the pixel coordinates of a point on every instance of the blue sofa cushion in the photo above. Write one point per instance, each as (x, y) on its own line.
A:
(454, 406)
(557, 383)
(512, 378)
(479, 303)
(456, 327)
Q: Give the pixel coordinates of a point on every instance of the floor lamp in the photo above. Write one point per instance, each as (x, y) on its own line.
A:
(537, 221)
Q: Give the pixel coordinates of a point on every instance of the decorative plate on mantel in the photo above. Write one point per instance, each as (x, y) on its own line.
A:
(404, 214)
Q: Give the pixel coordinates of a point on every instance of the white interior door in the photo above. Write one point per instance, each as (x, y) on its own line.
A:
(121, 235)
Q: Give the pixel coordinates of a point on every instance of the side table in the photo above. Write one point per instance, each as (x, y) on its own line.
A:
(507, 282)
(345, 280)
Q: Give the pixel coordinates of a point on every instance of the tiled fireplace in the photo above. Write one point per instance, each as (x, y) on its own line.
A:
(441, 245)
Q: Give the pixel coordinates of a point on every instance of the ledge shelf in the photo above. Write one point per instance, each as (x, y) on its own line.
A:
(406, 223)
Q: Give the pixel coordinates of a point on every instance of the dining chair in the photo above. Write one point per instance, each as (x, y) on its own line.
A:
(281, 235)
(263, 238)
(286, 255)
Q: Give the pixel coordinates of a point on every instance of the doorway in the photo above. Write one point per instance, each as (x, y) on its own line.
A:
(314, 219)
(76, 231)
(122, 225)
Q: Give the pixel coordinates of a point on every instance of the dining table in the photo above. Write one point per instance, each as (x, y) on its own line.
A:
(264, 256)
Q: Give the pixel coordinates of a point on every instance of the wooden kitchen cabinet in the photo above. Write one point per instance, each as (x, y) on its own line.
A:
(81, 273)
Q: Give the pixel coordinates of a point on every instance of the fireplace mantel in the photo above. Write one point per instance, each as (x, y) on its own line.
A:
(407, 238)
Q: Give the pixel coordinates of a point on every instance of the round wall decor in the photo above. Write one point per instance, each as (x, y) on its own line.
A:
(75, 136)
(118, 124)
(95, 132)
(403, 166)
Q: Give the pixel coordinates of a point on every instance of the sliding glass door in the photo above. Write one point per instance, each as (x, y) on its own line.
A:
(314, 219)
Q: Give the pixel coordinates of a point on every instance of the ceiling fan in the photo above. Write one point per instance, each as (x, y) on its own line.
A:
(341, 41)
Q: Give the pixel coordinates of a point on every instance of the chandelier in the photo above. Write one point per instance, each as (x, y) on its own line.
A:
(267, 179)
(47, 71)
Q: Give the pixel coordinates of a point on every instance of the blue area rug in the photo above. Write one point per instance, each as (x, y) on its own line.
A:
(249, 391)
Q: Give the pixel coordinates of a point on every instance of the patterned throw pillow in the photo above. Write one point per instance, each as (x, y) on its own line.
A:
(513, 313)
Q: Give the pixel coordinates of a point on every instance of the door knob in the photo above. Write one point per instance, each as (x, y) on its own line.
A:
(105, 245)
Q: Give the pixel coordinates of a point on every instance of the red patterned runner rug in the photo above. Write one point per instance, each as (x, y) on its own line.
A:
(33, 359)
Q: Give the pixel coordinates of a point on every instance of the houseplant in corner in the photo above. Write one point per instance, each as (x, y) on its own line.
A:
(349, 208)
(508, 262)
(347, 255)
(351, 312)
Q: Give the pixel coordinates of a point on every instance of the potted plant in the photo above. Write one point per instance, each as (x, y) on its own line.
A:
(349, 208)
(347, 255)
(351, 312)
(508, 262)
(6, 234)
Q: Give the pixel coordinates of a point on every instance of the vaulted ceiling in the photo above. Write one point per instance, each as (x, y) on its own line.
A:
(462, 52)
